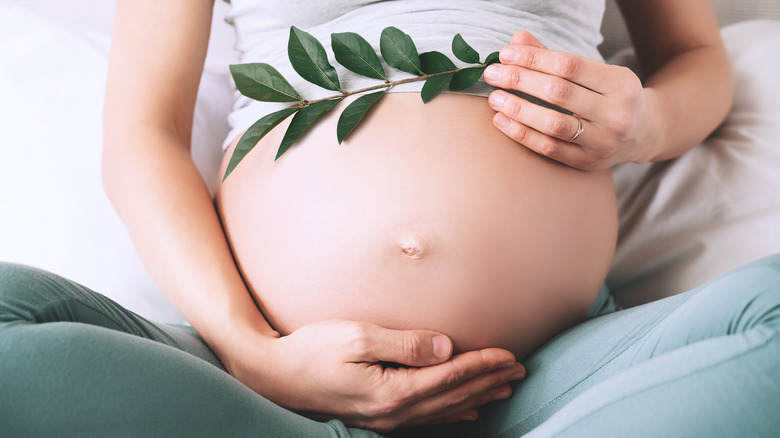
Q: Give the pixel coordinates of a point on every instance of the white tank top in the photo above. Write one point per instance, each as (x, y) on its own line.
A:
(263, 28)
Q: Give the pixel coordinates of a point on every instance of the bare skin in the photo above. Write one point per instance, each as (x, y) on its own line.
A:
(426, 217)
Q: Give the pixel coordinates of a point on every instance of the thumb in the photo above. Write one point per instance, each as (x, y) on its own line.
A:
(524, 38)
(416, 348)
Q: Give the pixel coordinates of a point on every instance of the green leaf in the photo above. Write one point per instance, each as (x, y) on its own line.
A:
(466, 78)
(434, 86)
(492, 59)
(310, 60)
(262, 82)
(302, 122)
(355, 112)
(399, 51)
(463, 51)
(356, 54)
(253, 135)
(436, 62)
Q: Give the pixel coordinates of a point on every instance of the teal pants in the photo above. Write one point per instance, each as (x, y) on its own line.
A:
(703, 363)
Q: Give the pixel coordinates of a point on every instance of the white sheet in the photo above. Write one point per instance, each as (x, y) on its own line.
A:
(682, 223)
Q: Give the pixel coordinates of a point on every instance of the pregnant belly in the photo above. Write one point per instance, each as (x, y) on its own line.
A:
(425, 218)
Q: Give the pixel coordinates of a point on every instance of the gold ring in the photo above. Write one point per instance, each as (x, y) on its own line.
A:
(579, 129)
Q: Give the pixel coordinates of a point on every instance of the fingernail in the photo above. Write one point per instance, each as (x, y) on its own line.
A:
(508, 54)
(518, 373)
(491, 73)
(501, 395)
(501, 120)
(496, 99)
(471, 416)
(441, 347)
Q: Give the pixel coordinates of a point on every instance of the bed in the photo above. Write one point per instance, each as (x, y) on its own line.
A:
(682, 222)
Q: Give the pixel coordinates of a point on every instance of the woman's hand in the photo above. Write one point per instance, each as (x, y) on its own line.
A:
(613, 115)
(350, 371)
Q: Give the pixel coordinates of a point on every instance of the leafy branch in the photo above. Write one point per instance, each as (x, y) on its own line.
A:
(309, 59)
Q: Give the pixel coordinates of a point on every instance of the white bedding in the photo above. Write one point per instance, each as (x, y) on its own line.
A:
(682, 222)
(686, 221)
(53, 211)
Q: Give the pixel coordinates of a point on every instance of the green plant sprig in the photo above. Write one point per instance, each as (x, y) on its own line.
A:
(308, 58)
(388, 85)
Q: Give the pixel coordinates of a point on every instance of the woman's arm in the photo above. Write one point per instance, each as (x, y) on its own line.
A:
(686, 94)
(155, 64)
(681, 53)
(328, 370)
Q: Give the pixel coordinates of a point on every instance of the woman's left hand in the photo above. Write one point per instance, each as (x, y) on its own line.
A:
(613, 114)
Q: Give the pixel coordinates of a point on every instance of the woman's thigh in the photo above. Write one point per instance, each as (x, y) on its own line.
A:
(74, 363)
(702, 363)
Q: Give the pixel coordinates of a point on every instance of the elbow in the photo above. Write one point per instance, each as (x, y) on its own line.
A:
(719, 68)
(117, 164)
(722, 89)
(114, 136)
(127, 159)
(111, 173)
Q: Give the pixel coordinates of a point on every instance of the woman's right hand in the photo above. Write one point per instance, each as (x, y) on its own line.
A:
(375, 378)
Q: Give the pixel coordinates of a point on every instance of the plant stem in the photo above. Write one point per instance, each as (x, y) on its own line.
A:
(387, 84)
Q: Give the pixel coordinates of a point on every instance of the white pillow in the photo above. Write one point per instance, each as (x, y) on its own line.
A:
(686, 221)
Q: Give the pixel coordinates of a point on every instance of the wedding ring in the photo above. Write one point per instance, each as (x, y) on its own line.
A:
(579, 129)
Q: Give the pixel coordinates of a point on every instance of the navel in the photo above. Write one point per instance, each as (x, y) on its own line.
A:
(412, 246)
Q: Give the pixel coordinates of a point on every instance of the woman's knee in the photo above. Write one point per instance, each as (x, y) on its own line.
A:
(751, 294)
(15, 279)
(23, 289)
(764, 276)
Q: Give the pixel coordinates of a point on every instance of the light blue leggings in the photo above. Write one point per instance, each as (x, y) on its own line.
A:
(703, 363)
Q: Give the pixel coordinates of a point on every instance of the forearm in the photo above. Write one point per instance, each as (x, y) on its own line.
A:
(155, 64)
(181, 243)
(686, 70)
(692, 95)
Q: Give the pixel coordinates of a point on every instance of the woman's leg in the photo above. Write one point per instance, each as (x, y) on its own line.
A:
(703, 363)
(74, 363)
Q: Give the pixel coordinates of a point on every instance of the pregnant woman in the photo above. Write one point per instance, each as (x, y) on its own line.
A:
(394, 280)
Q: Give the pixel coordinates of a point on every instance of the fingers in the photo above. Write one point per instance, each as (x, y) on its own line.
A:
(586, 72)
(549, 88)
(524, 38)
(547, 121)
(441, 393)
(429, 381)
(454, 417)
(607, 98)
(570, 154)
(480, 390)
(416, 348)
